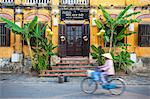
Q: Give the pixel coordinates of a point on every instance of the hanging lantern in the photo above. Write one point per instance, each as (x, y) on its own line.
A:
(49, 32)
(85, 38)
(101, 32)
(62, 38)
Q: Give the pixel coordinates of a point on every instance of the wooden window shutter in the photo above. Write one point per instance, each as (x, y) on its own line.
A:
(7, 36)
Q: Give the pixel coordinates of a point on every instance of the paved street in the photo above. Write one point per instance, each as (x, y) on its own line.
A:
(21, 87)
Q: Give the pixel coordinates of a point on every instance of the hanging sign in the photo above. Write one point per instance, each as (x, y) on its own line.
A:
(74, 14)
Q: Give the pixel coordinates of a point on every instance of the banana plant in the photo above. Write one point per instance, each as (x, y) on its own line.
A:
(25, 31)
(122, 61)
(44, 48)
(97, 54)
(123, 19)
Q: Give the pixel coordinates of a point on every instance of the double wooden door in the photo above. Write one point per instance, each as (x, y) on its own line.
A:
(74, 40)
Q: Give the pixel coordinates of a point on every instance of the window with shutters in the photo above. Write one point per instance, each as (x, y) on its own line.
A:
(4, 36)
(144, 35)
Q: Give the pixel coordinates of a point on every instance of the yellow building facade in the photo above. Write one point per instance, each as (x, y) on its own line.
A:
(72, 22)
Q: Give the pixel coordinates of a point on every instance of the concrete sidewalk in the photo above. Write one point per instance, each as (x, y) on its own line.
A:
(21, 78)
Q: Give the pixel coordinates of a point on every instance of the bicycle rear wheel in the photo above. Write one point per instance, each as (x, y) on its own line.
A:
(88, 85)
(119, 86)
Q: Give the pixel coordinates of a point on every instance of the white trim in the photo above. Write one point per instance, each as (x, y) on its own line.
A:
(70, 2)
(74, 22)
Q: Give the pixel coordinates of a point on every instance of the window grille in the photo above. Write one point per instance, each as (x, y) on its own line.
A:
(7, 1)
(144, 35)
(37, 1)
(4, 35)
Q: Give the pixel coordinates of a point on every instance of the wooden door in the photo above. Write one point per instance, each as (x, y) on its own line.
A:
(77, 40)
(74, 40)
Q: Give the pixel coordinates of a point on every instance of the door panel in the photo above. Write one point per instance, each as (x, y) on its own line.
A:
(86, 39)
(74, 40)
(61, 42)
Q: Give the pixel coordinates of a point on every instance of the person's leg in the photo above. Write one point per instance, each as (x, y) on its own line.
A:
(102, 75)
(96, 75)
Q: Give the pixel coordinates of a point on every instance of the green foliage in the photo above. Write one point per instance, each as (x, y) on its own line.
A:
(97, 54)
(111, 35)
(122, 61)
(114, 37)
(25, 31)
(42, 48)
(33, 23)
(12, 26)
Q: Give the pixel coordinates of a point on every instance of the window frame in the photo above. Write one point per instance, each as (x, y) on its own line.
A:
(5, 36)
(144, 35)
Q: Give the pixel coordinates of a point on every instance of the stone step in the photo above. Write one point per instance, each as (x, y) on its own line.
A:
(74, 63)
(61, 71)
(56, 75)
(77, 71)
(72, 67)
(75, 58)
(5, 72)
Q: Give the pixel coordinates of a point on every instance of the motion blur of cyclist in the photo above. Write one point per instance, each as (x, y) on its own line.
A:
(105, 70)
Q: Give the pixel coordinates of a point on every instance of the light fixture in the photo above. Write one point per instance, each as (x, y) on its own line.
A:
(131, 27)
(55, 12)
(93, 12)
(18, 10)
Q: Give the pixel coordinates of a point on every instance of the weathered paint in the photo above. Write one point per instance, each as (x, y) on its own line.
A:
(45, 16)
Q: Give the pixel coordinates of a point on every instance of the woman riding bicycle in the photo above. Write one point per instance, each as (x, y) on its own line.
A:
(115, 85)
(105, 70)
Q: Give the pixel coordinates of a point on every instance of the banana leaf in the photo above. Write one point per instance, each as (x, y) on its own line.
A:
(131, 14)
(122, 13)
(33, 23)
(109, 19)
(12, 26)
(99, 24)
(95, 49)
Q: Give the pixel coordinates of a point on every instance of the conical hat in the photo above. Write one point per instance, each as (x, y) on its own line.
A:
(107, 55)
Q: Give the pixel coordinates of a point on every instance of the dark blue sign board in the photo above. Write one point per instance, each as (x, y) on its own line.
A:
(74, 14)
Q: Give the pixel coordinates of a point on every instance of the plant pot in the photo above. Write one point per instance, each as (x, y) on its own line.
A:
(34, 73)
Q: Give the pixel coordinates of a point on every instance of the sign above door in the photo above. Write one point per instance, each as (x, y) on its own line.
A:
(74, 14)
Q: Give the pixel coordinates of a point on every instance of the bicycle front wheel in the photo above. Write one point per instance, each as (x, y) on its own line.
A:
(88, 85)
(119, 86)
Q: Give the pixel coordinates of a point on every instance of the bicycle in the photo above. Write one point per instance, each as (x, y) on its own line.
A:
(89, 85)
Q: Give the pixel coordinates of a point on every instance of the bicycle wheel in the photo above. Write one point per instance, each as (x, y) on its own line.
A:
(119, 86)
(88, 85)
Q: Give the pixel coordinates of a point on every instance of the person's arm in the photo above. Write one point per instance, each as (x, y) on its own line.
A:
(105, 67)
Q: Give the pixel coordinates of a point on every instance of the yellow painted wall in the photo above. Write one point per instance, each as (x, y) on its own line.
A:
(138, 2)
(111, 2)
(6, 52)
(94, 39)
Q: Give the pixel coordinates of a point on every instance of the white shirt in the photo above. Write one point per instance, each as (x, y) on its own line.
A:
(108, 67)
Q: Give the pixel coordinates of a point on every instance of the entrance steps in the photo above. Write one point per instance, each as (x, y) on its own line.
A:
(69, 66)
